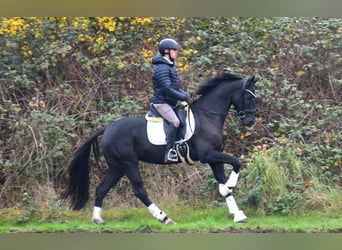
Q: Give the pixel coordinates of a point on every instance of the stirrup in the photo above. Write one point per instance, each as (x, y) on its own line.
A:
(171, 155)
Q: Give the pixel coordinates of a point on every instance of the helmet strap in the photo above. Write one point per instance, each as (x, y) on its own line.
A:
(169, 54)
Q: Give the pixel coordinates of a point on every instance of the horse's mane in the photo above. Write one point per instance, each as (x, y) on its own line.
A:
(211, 83)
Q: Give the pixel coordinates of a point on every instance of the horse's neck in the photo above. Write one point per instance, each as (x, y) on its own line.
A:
(206, 114)
(215, 105)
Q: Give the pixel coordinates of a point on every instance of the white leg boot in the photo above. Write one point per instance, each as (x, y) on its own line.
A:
(96, 218)
(232, 180)
(228, 187)
(160, 215)
(238, 214)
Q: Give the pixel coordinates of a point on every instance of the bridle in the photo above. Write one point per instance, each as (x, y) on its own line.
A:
(242, 113)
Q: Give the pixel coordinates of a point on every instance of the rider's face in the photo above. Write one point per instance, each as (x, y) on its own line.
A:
(173, 53)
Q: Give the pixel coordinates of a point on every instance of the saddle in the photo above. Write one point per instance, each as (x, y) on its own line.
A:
(157, 127)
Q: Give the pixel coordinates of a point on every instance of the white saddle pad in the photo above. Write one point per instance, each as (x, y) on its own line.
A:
(156, 134)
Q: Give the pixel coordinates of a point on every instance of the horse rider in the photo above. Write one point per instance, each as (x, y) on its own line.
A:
(167, 92)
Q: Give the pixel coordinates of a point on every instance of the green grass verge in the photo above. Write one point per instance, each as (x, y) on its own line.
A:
(189, 220)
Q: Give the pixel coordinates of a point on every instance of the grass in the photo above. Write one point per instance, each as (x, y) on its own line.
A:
(189, 220)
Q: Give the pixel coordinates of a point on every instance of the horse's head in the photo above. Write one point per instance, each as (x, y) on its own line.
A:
(244, 102)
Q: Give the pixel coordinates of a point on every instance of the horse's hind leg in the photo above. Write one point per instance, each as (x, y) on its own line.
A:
(108, 182)
(133, 174)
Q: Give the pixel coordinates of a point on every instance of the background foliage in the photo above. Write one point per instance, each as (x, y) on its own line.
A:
(62, 78)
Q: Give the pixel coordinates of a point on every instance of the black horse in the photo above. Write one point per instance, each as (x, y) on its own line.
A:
(125, 142)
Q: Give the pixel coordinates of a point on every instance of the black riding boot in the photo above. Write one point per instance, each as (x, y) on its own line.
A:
(171, 153)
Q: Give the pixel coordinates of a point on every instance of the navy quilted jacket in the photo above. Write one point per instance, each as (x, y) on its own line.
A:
(166, 82)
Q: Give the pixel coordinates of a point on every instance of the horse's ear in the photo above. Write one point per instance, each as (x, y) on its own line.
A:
(253, 80)
(250, 82)
(256, 79)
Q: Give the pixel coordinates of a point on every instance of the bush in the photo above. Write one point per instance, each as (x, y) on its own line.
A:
(275, 180)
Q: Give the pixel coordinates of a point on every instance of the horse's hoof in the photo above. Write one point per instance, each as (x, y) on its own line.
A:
(240, 217)
(168, 221)
(97, 221)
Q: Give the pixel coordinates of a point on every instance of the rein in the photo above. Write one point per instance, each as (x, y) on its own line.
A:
(212, 112)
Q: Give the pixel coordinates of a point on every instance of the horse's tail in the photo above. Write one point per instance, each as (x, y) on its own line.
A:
(78, 183)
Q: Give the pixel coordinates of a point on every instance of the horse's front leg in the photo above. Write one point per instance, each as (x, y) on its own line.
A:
(216, 160)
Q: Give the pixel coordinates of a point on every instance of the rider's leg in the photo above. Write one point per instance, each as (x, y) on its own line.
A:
(168, 113)
(170, 152)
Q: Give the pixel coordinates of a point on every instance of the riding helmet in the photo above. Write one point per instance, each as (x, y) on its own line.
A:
(167, 43)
